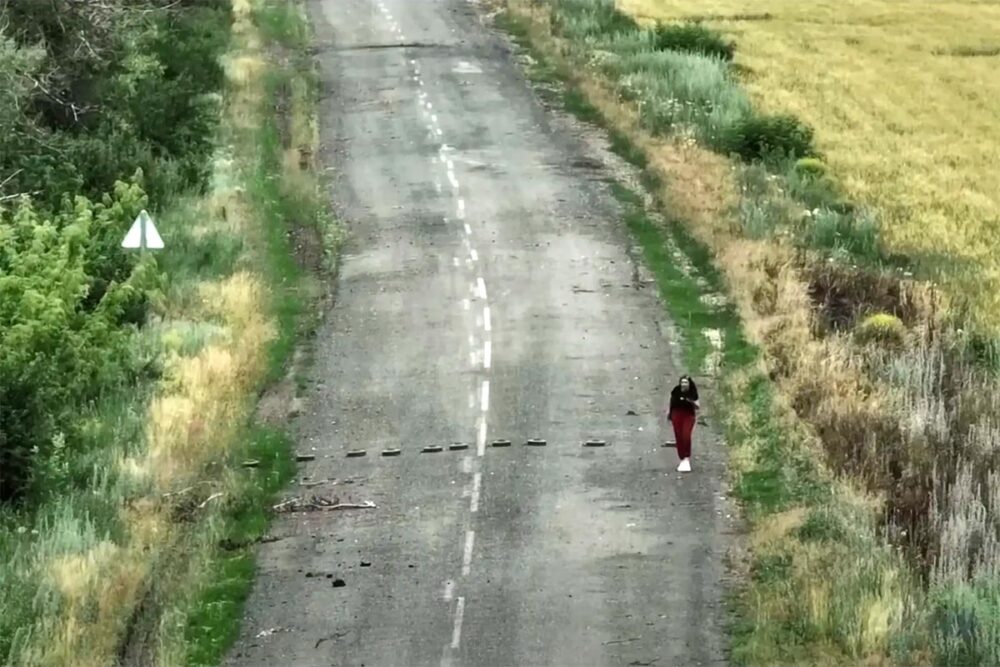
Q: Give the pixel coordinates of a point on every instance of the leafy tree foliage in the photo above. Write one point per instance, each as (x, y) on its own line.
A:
(60, 347)
(101, 89)
(91, 92)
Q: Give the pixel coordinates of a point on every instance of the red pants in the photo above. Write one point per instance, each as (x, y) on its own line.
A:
(683, 422)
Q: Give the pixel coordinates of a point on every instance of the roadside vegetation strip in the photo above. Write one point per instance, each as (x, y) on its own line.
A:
(822, 584)
(924, 161)
(129, 530)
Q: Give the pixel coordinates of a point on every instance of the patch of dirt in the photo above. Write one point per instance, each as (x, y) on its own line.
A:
(308, 247)
(279, 403)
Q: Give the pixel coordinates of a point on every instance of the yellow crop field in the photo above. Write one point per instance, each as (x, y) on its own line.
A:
(905, 99)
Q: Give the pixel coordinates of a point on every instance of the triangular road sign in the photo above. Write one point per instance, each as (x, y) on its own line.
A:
(143, 234)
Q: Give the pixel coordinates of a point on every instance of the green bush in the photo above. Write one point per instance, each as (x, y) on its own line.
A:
(590, 19)
(843, 235)
(763, 137)
(62, 347)
(881, 328)
(811, 167)
(135, 84)
(694, 38)
(821, 525)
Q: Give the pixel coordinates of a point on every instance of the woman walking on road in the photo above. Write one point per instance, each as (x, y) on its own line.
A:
(683, 411)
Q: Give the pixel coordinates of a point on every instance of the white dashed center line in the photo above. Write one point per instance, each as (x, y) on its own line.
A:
(484, 401)
(477, 481)
(481, 438)
(480, 354)
(456, 635)
(470, 539)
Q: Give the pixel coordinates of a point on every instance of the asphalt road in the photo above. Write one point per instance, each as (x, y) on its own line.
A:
(488, 291)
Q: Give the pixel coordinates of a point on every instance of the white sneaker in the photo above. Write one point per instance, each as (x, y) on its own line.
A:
(685, 466)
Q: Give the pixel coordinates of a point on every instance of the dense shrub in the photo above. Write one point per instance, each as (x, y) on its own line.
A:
(763, 137)
(119, 86)
(695, 38)
(92, 94)
(810, 167)
(881, 328)
(591, 19)
(60, 346)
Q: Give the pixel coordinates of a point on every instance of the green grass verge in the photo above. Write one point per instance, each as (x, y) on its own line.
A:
(214, 623)
(215, 613)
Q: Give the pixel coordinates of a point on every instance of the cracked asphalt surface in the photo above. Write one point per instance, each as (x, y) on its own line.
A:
(488, 290)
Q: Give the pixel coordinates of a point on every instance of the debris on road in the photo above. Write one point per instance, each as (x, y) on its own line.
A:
(318, 503)
(621, 641)
(331, 638)
(271, 631)
(309, 485)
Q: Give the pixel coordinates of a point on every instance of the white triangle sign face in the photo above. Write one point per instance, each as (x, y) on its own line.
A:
(153, 239)
(143, 234)
(134, 237)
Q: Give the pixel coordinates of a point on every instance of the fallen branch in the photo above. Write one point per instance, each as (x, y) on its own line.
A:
(210, 499)
(316, 503)
(281, 506)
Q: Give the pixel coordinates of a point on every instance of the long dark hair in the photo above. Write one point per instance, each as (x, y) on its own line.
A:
(692, 387)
